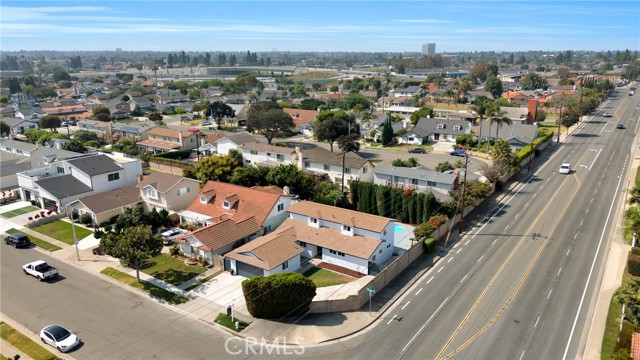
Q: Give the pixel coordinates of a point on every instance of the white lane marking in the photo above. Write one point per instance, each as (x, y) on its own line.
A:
(418, 291)
(541, 188)
(480, 258)
(575, 236)
(536, 324)
(593, 265)
(518, 214)
(424, 325)
(451, 258)
(393, 318)
(506, 227)
(586, 212)
(559, 271)
(521, 356)
(568, 251)
(405, 305)
(440, 269)
(591, 199)
(494, 241)
(581, 222)
(527, 204)
(429, 280)
(463, 278)
(549, 295)
(467, 243)
(458, 252)
(594, 160)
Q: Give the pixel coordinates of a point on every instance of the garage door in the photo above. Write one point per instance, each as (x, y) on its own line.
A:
(247, 270)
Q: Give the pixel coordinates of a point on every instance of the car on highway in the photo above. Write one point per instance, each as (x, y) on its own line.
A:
(17, 240)
(418, 151)
(620, 126)
(59, 337)
(606, 114)
(458, 153)
(631, 93)
(169, 234)
(565, 168)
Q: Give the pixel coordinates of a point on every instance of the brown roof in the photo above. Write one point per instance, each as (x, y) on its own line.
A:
(268, 251)
(159, 144)
(162, 182)
(269, 148)
(301, 116)
(323, 156)
(221, 234)
(273, 189)
(341, 216)
(252, 203)
(113, 199)
(328, 238)
(212, 138)
(162, 131)
(635, 346)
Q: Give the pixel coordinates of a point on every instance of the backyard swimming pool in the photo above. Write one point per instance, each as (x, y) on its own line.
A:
(397, 228)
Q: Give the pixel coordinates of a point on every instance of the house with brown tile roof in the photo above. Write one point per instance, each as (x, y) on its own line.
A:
(302, 118)
(103, 206)
(343, 238)
(166, 191)
(218, 201)
(219, 238)
(516, 97)
(161, 139)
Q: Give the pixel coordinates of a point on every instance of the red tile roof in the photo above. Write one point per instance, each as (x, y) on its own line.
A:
(268, 251)
(251, 202)
(341, 216)
(301, 116)
(635, 346)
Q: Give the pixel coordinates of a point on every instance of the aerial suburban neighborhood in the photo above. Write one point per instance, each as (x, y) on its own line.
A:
(203, 190)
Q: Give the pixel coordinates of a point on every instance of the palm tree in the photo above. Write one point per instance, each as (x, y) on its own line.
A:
(449, 94)
(501, 121)
(632, 219)
(481, 110)
(493, 112)
(634, 196)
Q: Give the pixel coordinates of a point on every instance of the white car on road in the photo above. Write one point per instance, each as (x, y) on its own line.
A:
(59, 337)
(565, 168)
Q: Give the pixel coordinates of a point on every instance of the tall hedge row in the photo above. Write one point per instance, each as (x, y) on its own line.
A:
(633, 264)
(406, 206)
(279, 295)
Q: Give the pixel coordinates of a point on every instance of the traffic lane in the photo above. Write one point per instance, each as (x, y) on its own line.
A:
(112, 322)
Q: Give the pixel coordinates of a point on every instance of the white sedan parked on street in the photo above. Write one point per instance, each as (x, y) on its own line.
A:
(59, 337)
(565, 168)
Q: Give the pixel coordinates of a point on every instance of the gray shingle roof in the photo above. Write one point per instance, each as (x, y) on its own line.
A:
(63, 186)
(418, 172)
(430, 126)
(323, 156)
(95, 164)
(19, 145)
(113, 199)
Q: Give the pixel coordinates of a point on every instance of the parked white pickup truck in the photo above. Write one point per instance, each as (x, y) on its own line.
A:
(40, 269)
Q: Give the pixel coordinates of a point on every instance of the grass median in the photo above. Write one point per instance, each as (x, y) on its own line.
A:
(37, 242)
(147, 287)
(172, 270)
(24, 344)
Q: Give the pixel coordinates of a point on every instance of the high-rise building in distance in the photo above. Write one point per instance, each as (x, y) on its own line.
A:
(429, 49)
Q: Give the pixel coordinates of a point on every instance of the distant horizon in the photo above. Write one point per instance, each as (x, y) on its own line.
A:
(323, 27)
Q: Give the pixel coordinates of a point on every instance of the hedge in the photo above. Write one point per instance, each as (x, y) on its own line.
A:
(180, 154)
(279, 295)
(633, 264)
(430, 244)
(170, 162)
(635, 250)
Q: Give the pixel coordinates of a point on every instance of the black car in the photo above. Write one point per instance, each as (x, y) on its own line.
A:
(18, 240)
(620, 126)
(417, 151)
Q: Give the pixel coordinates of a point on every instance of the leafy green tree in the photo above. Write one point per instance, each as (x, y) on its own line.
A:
(330, 129)
(279, 295)
(155, 116)
(101, 110)
(218, 111)
(502, 154)
(494, 86)
(347, 144)
(387, 133)
(328, 193)
(268, 119)
(5, 129)
(311, 104)
(423, 112)
(134, 246)
(13, 84)
(532, 81)
(60, 75)
(50, 122)
(75, 146)
(499, 121)
(629, 295)
(634, 195)
(334, 88)
(410, 162)
(280, 175)
(126, 146)
(444, 166)
(250, 176)
(218, 168)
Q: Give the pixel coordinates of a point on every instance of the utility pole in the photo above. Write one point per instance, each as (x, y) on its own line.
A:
(464, 191)
(530, 157)
(559, 122)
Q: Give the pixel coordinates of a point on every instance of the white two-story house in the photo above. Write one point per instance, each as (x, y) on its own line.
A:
(260, 154)
(321, 161)
(163, 139)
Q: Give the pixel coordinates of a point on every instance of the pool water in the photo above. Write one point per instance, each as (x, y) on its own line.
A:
(397, 228)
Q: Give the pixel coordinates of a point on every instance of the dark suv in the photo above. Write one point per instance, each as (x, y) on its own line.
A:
(417, 151)
(17, 240)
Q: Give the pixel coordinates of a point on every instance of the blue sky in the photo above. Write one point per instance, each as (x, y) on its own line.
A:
(167, 25)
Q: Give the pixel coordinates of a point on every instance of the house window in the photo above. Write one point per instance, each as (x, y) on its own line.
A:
(203, 199)
(313, 220)
(280, 157)
(113, 177)
(441, 126)
(307, 164)
(347, 170)
(457, 127)
(226, 204)
(326, 167)
(280, 207)
(267, 229)
(414, 181)
(184, 190)
(346, 228)
(152, 193)
(254, 152)
(431, 183)
(373, 258)
(285, 264)
(365, 169)
(268, 154)
(411, 138)
(60, 170)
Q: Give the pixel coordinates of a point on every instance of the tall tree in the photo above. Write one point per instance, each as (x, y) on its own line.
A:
(134, 245)
(501, 120)
(5, 130)
(268, 119)
(218, 168)
(494, 86)
(387, 132)
(330, 129)
(347, 144)
(423, 112)
(50, 122)
(155, 117)
(218, 111)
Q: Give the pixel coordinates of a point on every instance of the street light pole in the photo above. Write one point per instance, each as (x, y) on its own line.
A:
(73, 229)
(464, 191)
(530, 156)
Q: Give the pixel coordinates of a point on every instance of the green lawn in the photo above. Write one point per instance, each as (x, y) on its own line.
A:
(149, 288)
(172, 270)
(322, 277)
(24, 344)
(202, 281)
(20, 211)
(610, 338)
(38, 242)
(225, 321)
(61, 230)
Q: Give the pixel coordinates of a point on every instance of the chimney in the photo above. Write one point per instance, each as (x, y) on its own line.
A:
(532, 110)
(140, 178)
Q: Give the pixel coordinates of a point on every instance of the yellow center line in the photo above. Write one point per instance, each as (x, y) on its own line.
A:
(504, 264)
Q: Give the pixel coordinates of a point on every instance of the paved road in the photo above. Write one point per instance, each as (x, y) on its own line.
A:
(113, 323)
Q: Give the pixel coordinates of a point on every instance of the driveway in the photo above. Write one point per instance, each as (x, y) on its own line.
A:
(224, 290)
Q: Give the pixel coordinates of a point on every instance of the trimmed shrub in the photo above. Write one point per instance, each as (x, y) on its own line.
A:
(633, 263)
(499, 185)
(86, 219)
(430, 244)
(279, 295)
(179, 155)
(74, 215)
(635, 250)
(174, 250)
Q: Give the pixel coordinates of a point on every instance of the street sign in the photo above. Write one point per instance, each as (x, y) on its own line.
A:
(371, 290)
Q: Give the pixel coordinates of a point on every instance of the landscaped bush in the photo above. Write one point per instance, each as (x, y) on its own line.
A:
(635, 250)
(279, 295)
(74, 215)
(633, 263)
(430, 244)
(180, 154)
(174, 250)
(86, 219)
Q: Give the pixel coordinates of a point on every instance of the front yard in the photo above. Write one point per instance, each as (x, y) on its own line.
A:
(147, 287)
(322, 277)
(37, 242)
(61, 230)
(20, 211)
(172, 270)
